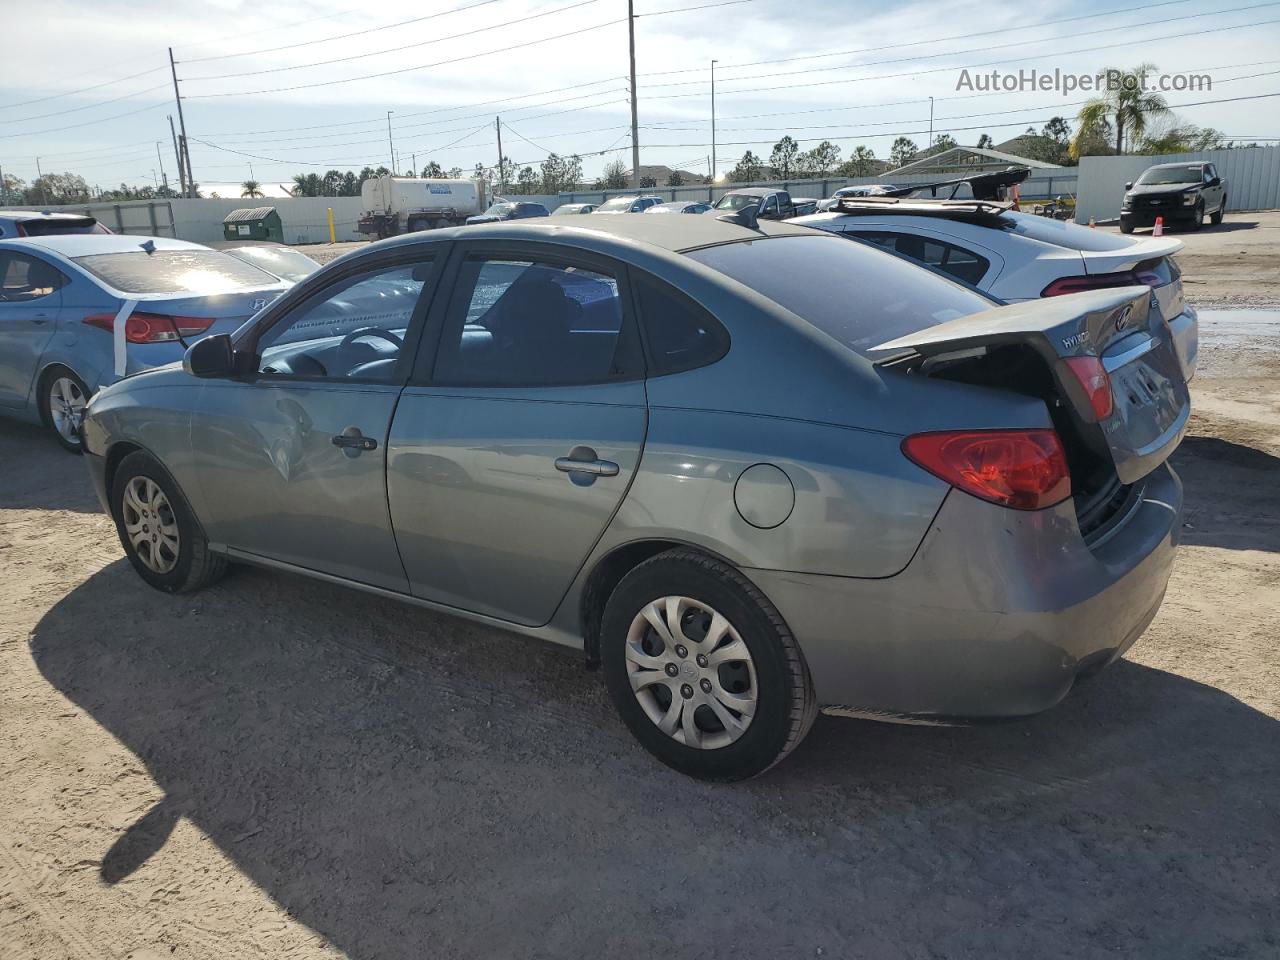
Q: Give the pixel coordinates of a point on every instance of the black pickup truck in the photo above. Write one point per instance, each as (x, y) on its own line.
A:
(1179, 192)
(771, 203)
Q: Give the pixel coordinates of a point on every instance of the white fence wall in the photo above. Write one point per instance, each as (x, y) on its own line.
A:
(1252, 175)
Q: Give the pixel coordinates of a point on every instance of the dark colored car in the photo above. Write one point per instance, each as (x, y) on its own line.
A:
(680, 206)
(1178, 192)
(29, 223)
(509, 210)
(771, 203)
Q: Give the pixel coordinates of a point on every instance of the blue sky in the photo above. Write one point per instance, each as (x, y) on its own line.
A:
(853, 73)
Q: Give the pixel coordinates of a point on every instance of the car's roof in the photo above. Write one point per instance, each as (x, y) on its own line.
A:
(676, 234)
(1184, 163)
(87, 244)
(22, 216)
(755, 191)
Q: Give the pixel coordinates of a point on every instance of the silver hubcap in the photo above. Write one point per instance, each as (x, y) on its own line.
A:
(691, 672)
(66, 408)
(150, 524)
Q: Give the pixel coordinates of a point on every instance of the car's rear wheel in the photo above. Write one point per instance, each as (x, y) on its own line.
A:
(157, 529)
(703, 669)
(62, 399)
(1126, 226)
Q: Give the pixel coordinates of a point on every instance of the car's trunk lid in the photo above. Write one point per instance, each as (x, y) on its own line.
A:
(227, 311)
(1150, 260)
(1151, 402)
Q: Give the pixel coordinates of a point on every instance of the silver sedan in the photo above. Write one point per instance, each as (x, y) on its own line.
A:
(749, 472)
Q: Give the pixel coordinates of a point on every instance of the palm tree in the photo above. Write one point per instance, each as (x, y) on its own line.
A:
(251, 188)
(1126, 104)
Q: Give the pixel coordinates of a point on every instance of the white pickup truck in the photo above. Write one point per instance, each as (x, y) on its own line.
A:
(395, 205)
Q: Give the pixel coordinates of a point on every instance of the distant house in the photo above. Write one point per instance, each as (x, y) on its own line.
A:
(661, 174)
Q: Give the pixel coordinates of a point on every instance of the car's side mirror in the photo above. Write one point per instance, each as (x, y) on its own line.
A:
(1215, 181)
(1129, 185)
(210, 358)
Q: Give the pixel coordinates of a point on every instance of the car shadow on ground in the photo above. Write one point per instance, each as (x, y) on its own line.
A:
(1232, 494)
(39, 474)
(410, 785)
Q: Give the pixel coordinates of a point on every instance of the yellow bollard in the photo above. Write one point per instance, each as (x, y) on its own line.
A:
(333, 237)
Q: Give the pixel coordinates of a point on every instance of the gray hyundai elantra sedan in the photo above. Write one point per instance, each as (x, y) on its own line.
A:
(749, 471)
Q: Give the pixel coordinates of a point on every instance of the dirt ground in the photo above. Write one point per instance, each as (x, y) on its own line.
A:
(278, 769)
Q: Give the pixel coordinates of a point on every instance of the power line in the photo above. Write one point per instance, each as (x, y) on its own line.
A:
(985, 47)
(72, 93)
(343, 36)
(74, 126)
(989, 63)
(423, 66)
(407, 46)
(91, 106)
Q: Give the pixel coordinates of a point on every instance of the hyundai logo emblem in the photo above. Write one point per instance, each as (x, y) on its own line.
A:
(1123, 316)
(258, 304)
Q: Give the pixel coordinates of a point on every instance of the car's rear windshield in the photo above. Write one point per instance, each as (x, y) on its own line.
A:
(278, 261)
(51, 227)
(1191, 174)
(736, 201)
(174, 271)
(854, 293)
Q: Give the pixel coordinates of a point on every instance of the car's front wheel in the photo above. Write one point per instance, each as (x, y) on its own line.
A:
(1216, 217)
(703, 669)
(62, 399)
(157, 529)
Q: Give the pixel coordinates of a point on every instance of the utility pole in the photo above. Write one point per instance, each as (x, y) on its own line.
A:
(391, 147)
(635, 122)
(182, 167)
(44, 192)
(931, 121)
(182, 125)
(414, 171)
(163, 176)
(713, 120)
(502, 169)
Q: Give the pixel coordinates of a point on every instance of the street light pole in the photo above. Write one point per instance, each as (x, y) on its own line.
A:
(163, 176)
(391, 147)
(44, 191)
(713, 120)
(635, 122)
(182, 167)
(502, 172)
(931, 121)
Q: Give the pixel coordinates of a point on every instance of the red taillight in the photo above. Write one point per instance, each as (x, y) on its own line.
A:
(1101, 281)
(152, 327)
(1023, 469)
(1093, 379)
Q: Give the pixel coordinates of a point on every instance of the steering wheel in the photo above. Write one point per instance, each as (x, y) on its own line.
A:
(378, 332)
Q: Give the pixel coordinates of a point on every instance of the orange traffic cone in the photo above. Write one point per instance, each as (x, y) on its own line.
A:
(1159, 230)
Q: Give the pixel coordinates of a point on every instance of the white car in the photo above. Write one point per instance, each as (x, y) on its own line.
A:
(1018, 256)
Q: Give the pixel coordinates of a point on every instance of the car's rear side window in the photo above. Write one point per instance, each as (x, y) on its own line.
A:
(852, 292)
(680, 335)
(959, 262)
(51, 227)
(174, 271)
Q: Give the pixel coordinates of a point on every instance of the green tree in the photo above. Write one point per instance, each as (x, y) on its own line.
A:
(819, 161)
(746, 170)
(783, 158)
(902, 152)
(350, 184)
(985, 142)
(614, 176)
(647, 183)
(433, 170)
(1175, 136)
(675, 180)
(251, 189)
(1125, 105)
(861, 163)
(527, 181)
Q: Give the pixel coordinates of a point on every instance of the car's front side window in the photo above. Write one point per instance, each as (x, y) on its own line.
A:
(523, 322)
(24, 278)
(355, 328)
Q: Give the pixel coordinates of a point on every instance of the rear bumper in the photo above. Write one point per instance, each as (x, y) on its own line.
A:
(1185, 329)
(997, 615)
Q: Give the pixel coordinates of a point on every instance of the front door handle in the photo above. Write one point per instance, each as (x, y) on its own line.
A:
(40, 318)
(583, 466)
(352, 442)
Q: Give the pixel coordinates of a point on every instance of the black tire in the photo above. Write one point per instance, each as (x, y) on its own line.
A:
(45, 400)
(785, 702)
(1126, 226)
(1197, 217)
(196, 566)
(1216, 217)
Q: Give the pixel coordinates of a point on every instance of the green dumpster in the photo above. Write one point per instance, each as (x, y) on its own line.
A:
(253, 223)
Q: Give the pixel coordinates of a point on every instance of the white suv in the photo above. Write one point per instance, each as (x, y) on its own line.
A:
(1018, 256)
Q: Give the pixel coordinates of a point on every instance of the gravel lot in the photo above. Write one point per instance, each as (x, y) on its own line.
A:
(278, 769)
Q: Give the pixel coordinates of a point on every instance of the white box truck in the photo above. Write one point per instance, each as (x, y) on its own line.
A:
(395, 205)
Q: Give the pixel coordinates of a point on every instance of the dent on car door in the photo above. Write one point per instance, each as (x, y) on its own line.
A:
(291, 459)
(514, 445)
(30, 297)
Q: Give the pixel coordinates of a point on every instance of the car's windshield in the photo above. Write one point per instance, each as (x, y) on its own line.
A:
(499, 209)
(736, 201)
(1171, 175)
(289, 264)
(854, 293)
(175, 271)
(617, 203)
